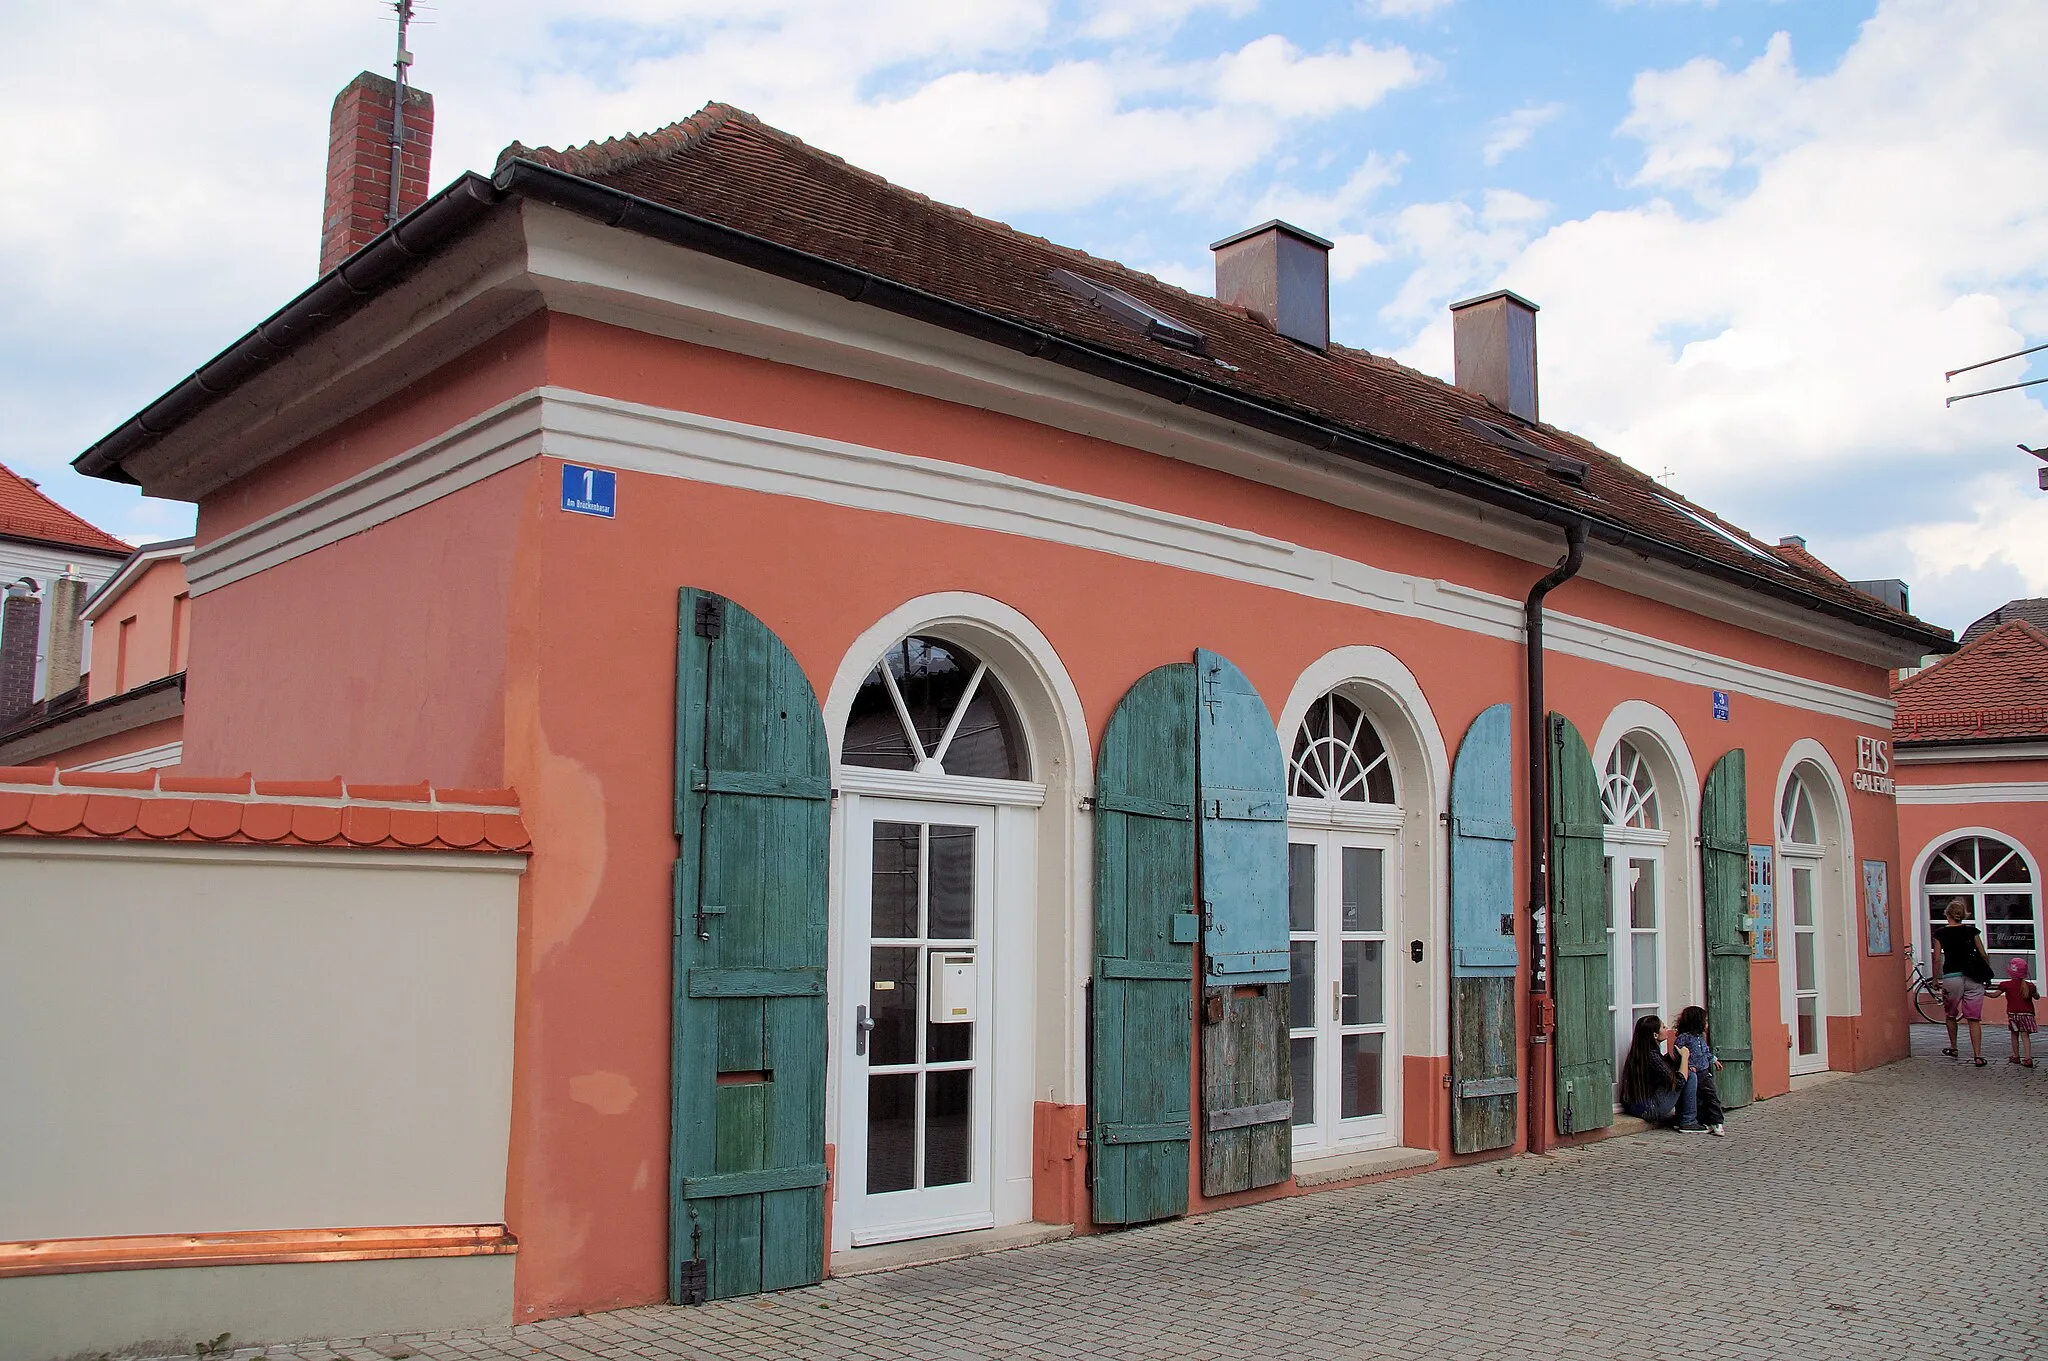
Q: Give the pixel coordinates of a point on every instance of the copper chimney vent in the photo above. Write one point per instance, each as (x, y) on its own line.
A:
(1494, 337)
(1281, 273)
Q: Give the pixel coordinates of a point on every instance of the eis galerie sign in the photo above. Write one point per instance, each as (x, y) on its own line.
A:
(1874, 767)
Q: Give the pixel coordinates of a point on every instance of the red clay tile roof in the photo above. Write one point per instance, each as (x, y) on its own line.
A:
(163, 805)
(25, 513)
(724, 165)
(1798, 555)
(1995, 687)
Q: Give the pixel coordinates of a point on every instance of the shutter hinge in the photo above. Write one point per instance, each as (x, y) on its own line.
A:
(1208, 915)
(1087, 803)
(710, 620)
(1507, 923)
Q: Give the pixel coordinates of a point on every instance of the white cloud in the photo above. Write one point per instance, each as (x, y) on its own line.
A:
(1272, 73)
(1843, 239)
(1511, 132)
(1115, 19)
(1403, 9)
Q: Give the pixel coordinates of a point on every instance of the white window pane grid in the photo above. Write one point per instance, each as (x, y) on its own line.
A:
(1992, 883)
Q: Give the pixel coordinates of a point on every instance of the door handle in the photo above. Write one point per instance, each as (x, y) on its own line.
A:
(862, 1024)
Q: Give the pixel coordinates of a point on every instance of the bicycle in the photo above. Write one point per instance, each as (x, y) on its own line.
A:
(1926, 994)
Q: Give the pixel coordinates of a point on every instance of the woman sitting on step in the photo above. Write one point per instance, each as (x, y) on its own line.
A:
(1649, 1087)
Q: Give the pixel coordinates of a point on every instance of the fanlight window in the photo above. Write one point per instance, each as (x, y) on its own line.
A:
(1339, 755)
(1990, 881)
(1628, 796)
(932, 707)
(1796, 821)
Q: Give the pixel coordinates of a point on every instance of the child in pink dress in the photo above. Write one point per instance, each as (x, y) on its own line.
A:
(2020, 995)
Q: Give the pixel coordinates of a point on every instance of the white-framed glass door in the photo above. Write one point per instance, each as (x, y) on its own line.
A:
(917, 1019)
(1635, 939)
(1799, 959)
(1342, 1039)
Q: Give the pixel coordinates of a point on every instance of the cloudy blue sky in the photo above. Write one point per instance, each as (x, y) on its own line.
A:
(1759, 232)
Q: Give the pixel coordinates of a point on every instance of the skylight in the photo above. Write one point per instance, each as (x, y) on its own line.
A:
(1128, 311)
(1719, 530)
(1561, 466)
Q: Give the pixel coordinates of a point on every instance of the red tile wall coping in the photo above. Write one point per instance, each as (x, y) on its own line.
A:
(162, 805)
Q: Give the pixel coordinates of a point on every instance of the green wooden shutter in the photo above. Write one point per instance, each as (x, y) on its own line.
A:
(1247, 1087)
(1145, 931)
(1578, 932)
(1483, 954)
(1724, 870)
(753, 797)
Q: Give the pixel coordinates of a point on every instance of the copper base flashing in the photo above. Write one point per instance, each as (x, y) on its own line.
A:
(58, 1256)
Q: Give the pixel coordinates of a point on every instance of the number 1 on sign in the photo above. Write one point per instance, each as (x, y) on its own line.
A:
(589, 485)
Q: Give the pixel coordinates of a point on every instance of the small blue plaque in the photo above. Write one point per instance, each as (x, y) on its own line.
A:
(1720, 697)
(590, 491)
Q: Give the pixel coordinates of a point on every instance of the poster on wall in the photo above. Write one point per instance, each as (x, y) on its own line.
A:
(1877, 907)
(1763, 940)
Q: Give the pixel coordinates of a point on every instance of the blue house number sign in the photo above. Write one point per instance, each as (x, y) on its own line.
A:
(590, 491)
(1720, 701)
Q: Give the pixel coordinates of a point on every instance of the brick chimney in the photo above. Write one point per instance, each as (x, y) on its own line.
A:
(21, 621)
(359, 164)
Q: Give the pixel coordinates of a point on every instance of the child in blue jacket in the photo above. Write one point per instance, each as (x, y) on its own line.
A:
(1699, 1103)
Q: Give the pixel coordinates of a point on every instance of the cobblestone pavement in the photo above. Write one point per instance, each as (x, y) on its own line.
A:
(1852, 1219)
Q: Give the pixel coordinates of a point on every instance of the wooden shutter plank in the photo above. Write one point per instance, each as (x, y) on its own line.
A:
(1724, 876)
(1581, 983)
(1241, 796)
(1483, 956)
(752, 809)
(1142, 993)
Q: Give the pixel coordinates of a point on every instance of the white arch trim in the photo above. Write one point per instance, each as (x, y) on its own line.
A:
(1378, 670)
(1635, 715)
(1808, 751)
(1916, 886)
(967, 614)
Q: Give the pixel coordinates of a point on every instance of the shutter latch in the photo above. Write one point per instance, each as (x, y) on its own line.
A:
(710, 620)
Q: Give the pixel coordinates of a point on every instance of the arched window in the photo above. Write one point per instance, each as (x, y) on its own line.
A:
(932, 707)
(1339, 755)
(1804, 875)
(1636, 841)
(1629, 793)
(1343, 876)
(1992, 882)
(1796, 822)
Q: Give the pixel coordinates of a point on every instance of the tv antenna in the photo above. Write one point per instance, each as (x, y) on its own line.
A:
(399, 65)
(1987, 363)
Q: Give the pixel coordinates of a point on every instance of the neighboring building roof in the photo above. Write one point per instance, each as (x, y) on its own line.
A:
(1795, 551)
(2034, 610)
(722, 183)
(138, 562)
(61, 723)
(1995, 688)
(162, 805)
(25, 513)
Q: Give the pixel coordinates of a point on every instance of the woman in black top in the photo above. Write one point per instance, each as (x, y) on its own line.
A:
(1964, 969)
(1648, 1087)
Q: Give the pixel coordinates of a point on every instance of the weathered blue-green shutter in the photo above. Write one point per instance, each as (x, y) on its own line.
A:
(1724, 871)
(1578, 933)
(1247, 1088)
(1145, 932)
(747, 1161)
(1483, 953)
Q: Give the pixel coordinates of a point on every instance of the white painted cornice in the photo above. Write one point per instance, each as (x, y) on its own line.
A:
(1993, 791)
(581, 428)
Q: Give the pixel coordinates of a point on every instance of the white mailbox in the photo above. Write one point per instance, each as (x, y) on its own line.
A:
(952, 990)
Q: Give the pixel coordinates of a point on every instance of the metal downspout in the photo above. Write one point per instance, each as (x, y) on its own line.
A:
(1542, 1011)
